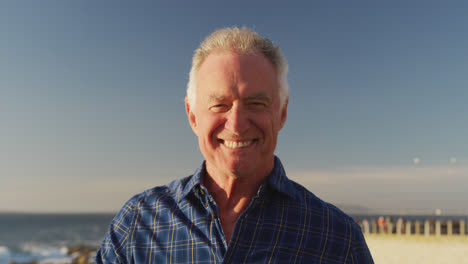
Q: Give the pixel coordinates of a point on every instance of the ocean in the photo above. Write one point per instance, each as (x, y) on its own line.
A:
(46, 237)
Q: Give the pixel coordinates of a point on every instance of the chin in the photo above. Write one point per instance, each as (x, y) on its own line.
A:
(241, 169)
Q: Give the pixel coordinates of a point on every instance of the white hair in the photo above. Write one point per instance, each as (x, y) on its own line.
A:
(243, 41)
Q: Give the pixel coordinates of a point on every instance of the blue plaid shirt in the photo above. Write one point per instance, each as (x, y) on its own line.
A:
(284, 223)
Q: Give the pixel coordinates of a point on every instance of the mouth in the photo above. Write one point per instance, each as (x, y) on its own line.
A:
(238, 144)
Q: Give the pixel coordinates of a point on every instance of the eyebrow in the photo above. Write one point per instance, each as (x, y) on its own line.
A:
(216, 98)
(259, 96)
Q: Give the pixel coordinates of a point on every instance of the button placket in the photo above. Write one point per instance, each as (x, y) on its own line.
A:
(258, 198)
(213, 212)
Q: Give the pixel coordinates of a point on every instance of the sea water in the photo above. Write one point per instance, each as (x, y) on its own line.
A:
(47, 237)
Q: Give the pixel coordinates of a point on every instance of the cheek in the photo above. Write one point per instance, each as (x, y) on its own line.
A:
(211, 126)
(266, 123)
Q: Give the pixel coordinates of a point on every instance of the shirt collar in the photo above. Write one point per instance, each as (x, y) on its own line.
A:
(277, 180)
(194, 182)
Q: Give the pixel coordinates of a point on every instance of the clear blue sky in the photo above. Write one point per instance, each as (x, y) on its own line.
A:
(91, 99)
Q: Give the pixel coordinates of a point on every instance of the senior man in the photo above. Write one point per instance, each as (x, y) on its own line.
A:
(239, 206)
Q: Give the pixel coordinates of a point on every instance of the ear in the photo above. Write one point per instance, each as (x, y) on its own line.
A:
(191, 116)
(284, 112)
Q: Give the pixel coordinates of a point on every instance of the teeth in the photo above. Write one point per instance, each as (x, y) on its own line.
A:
(235, 144)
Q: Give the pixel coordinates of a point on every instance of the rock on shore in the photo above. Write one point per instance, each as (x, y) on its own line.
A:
(79, 254)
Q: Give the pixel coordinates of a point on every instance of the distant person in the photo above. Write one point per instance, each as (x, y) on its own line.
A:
(381, 223)
(239, 206)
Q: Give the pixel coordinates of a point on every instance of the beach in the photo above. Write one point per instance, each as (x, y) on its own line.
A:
(46, 237)
(394, 249)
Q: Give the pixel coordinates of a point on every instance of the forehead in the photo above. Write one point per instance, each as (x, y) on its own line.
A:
(244, 73)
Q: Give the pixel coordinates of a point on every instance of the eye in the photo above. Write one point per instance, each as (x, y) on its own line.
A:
(219, 108)
(257, 105)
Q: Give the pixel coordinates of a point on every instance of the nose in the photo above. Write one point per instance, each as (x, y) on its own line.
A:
(237, 120)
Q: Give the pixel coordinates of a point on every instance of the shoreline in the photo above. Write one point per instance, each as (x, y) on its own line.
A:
(79, 254)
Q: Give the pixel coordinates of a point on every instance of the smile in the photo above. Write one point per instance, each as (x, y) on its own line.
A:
(237, 144)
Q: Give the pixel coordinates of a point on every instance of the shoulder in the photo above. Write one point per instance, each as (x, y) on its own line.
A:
(338, 221)
(338, 231)
(125, 218)
(138, 208)
(173, 190)
(324, 229)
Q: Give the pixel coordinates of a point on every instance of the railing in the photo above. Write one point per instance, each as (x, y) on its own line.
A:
(416, 227)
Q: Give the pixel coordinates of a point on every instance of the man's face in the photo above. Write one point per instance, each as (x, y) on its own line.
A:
(237, 114)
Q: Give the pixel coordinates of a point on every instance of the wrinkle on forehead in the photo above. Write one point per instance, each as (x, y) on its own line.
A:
(257, 96)
(234, 73)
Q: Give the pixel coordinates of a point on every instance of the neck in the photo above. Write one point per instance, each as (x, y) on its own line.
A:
(230, 192)
(232, 195)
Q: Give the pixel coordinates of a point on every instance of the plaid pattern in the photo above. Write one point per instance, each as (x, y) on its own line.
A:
(284, 223)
